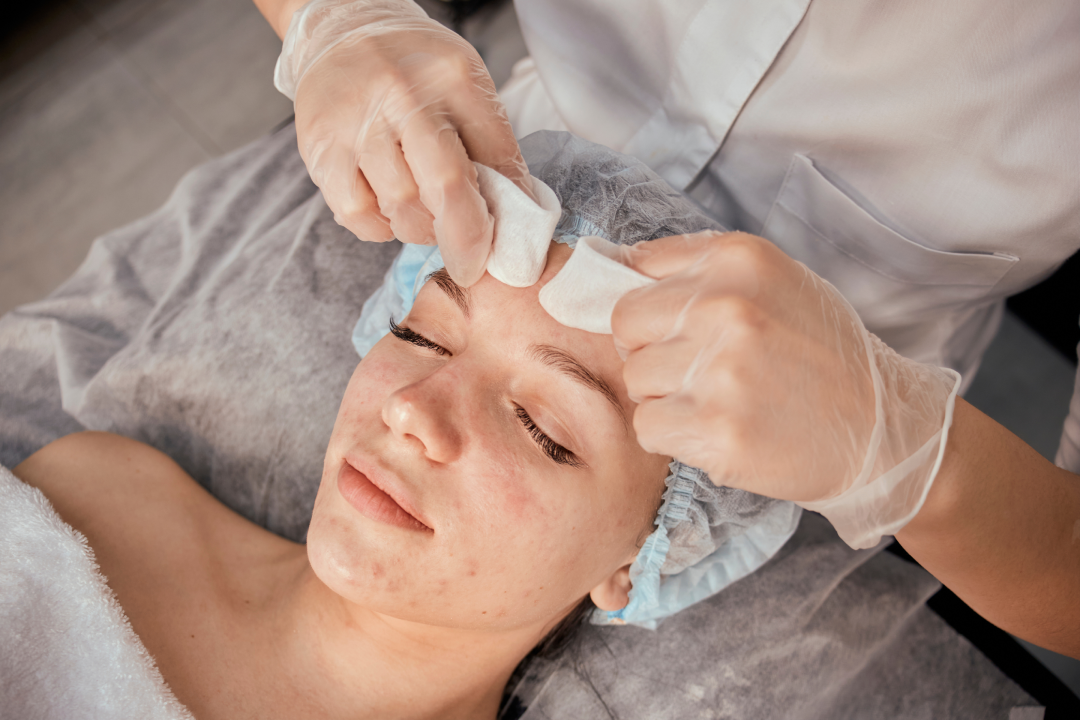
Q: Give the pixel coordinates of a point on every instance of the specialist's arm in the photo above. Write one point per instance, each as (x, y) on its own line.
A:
(1001, 528)
(748, 365)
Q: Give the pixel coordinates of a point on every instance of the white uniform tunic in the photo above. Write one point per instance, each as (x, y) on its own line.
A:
(924, 157)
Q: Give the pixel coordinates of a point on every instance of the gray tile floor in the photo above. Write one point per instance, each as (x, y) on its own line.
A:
(104, 104)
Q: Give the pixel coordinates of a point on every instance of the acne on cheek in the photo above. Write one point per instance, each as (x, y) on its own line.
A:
(379, 370)
(501, 493)
(352, 569)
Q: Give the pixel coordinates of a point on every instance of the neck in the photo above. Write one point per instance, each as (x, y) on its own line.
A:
(361, 664)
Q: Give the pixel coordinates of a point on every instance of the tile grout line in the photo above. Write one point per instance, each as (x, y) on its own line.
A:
(185, 121)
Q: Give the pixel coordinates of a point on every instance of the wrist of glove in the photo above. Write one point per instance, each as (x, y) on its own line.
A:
(320, 25)
(913, 412)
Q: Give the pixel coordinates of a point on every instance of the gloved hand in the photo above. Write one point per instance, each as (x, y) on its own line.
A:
(391, 108)
(748, 365)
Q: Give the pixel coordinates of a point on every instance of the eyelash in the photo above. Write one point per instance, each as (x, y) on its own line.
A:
(415, 338)
(552, 449)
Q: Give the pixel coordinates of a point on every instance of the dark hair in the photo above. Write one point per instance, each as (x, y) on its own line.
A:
(558, 639)
(563, 634)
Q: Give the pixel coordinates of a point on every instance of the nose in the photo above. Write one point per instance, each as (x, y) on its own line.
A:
(420, 415)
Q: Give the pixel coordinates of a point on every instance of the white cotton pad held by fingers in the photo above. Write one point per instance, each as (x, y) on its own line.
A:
(523, 228)
(584, 292)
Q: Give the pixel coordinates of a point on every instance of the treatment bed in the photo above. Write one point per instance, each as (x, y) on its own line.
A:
(218, 331)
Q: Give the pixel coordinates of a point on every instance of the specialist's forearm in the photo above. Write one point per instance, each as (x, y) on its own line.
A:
(279, 12)
(1001, 529)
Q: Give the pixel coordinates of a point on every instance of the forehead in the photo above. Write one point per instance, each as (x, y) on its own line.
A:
(514, 319)
(497, 303)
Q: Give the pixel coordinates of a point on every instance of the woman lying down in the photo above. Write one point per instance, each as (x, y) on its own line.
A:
(481, 490)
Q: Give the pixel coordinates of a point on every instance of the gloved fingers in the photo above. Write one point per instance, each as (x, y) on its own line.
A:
(348, 195)
(462, 85)
(651, 313)
(661, 426)
(692, 270)
(446, 179)
(382, 163)
(658, 369)
(488, 138)
(667, 256)
(717, 354)
(733, 262)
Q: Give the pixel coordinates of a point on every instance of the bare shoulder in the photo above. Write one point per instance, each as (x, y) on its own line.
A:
(135, 505)
(92, 478)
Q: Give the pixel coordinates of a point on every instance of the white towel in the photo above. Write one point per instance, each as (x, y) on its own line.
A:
(66, 648)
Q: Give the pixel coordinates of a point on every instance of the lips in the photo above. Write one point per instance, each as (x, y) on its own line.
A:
(374, 503)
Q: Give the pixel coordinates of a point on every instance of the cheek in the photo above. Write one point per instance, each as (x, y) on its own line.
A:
(528, 552)
(377, 377)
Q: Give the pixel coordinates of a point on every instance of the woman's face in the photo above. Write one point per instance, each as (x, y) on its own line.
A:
(483, 470)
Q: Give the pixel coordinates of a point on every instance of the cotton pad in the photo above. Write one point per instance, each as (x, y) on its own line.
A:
(584, 292)
(522, 235)
(523, 228)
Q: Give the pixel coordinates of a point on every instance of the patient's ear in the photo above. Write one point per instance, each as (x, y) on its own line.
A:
(614, 592)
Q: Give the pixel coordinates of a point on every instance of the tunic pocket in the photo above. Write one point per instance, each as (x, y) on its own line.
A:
(891, 281)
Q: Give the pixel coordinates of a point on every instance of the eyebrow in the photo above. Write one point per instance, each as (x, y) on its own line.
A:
(551, 356)
(568, 365)
(457, 293)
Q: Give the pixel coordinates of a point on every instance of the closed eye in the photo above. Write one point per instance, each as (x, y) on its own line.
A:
(552, 449)
(415, 338)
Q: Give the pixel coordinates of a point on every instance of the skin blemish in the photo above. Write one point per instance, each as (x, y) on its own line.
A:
(500, 501)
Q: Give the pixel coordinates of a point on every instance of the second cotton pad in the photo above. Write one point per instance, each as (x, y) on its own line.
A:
(584, 292)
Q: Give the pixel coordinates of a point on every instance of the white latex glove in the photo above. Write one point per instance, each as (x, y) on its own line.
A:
(748, 365)
(391, 108)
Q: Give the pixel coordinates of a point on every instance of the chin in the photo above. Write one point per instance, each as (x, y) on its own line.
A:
(339, 559)
(360, 572)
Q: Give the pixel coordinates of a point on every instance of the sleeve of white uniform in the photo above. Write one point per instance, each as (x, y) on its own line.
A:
(1068, 454)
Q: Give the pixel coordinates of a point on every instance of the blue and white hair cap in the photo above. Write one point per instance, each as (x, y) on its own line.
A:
(394, 298)
(655, 595)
